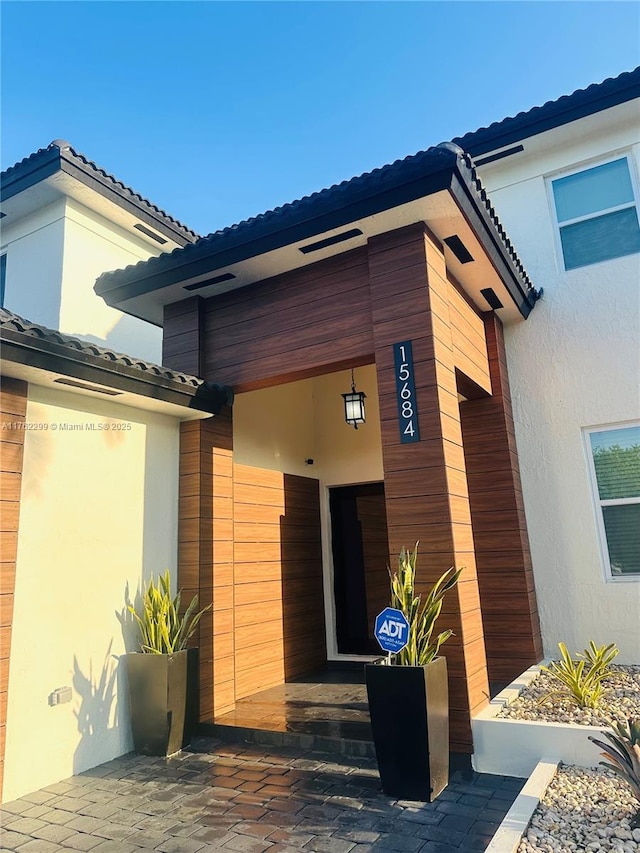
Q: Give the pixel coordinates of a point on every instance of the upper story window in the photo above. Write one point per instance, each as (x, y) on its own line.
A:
(615, 474)
(596, 213)
(3, 277)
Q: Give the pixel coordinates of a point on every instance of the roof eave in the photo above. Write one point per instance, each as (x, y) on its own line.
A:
(234, 248)
(52, 160)
(29, 351)
(35, 169)
(480, 220)
(569, 108)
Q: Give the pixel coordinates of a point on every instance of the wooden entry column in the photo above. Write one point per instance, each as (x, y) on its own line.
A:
(425, 482)
(205, 551)
(505, 573)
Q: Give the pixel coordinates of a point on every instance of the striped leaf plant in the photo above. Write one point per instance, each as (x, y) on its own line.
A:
(162, 629)
(421, 615)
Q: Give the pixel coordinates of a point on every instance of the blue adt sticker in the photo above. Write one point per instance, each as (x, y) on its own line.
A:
(392, 630)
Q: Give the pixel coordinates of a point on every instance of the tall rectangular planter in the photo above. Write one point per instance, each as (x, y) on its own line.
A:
(157, 701)
(409, 708)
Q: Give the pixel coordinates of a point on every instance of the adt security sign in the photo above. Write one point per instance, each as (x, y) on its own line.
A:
(392, 630)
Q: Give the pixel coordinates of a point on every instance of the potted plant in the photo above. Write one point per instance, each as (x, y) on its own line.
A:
(158, 674)
(408, 695)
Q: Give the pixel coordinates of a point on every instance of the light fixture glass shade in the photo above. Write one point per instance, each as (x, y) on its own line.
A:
(354, 408)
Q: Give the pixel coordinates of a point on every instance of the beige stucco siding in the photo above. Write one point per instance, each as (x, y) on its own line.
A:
(98, 514)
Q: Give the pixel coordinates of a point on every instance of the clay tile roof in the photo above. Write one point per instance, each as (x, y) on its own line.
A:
(12, 180)
(348, 193)
(581, 103)
(115, 361)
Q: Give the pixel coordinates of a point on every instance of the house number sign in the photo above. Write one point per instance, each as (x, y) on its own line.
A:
(406, 392)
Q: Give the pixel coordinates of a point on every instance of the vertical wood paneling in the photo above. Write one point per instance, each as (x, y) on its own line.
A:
(182, 337)
(205, 551)
(13, 409)
(279, 605)
(298, 324)
(345, 311)
(444, 529)
(505, 576)
(372, 515)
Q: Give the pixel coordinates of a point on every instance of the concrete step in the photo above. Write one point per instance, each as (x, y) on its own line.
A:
(323, 739)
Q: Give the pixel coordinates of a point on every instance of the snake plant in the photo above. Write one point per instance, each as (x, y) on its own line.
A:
(162, 629)
(422, 647)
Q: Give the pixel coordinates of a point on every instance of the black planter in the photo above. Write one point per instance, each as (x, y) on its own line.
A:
(192, 710)
(409, 707)
(157, 701)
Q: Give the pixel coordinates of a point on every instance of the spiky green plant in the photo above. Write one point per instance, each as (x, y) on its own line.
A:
(579, 682)
(421, 648)
(623, 752)
(162, 629)
(600, 657)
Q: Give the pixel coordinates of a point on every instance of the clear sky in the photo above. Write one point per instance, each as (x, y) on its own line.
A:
(217, 111)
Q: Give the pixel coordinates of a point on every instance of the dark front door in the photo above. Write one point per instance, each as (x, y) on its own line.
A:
(360, 560)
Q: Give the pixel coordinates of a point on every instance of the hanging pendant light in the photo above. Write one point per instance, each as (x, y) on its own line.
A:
(354, 405)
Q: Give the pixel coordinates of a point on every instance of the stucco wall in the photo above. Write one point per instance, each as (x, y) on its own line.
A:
(93, 245)
(279, 428)
(575, 363)
(34, 247)
(98, 514)
(54, 256)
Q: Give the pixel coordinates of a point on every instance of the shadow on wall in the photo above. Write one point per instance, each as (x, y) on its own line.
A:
(100, 717)
(128, 624)
(303, 632)
(130, 336)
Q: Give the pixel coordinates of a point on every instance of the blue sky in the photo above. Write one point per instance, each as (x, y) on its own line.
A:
(220, 111)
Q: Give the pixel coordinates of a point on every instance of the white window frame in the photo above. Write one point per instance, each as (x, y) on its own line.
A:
(598, 503)
(3, 283)
(575, 170)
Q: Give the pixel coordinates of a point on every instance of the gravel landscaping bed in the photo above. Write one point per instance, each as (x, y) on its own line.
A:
(620, 701)
(583, 810)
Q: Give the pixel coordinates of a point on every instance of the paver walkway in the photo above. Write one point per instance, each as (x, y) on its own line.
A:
(222, 797)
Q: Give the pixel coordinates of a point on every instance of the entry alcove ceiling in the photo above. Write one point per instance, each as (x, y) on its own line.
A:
(438, 187)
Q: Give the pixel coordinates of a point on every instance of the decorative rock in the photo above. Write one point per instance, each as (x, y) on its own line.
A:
(583, 810)
(620, 701)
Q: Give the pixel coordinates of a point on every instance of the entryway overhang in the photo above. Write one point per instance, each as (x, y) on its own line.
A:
(438, 187)
(41, 356)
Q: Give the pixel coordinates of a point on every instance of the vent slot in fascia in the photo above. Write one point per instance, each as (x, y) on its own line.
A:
(330, 241)
(500, 155)
(492, 298)
(459, 249)
(150, 233)
(198, 285)
(86, 387)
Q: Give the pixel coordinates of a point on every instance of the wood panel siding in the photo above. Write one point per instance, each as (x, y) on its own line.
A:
(505, 574)
(13, 409)
(205, 551)
(372, 515)
(251, 538)
(410, 263)
(279, 604)
(182, 338)
(291, 326)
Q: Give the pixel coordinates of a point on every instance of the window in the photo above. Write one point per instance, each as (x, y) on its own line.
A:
(596, 213)
(614, 454)
(3, 277)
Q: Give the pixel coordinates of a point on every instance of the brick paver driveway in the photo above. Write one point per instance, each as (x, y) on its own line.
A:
(251, 799)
